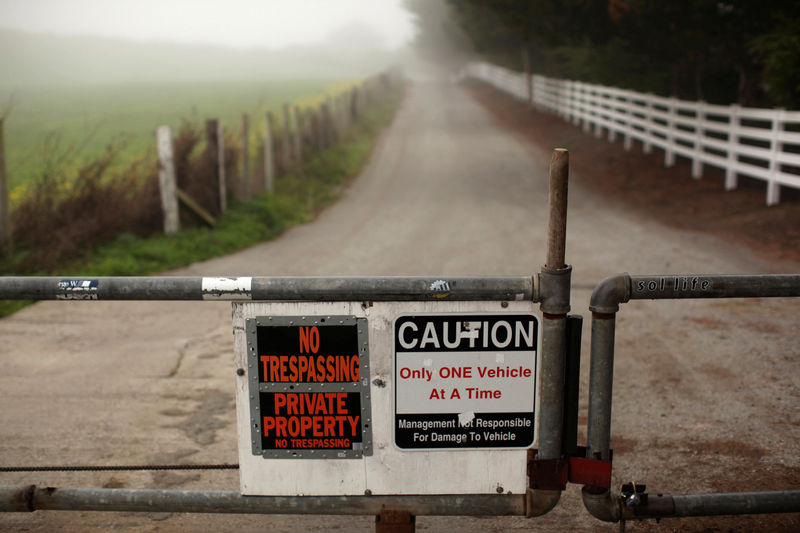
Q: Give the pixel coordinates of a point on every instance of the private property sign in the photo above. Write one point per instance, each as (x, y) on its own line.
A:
(309, 393)
(464, 381)
(354, 398)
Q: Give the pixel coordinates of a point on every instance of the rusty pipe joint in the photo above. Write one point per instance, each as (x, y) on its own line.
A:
(552, 288)
(601, 504)
(539, 502)
(609, 293)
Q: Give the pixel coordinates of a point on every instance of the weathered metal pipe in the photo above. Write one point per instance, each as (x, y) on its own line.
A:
(601, 504)
(604, 304)
(601, 379)
(32, 498)
(552, 290)
(713, 504)
(268, 288)
(681, 286)
(557, 222)
(540, 502)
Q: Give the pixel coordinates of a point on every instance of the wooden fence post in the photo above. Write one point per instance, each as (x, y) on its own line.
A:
(269, 158)
(330, 116)
(298, 138)
(215, 145)
(526, 71)
(697, 161)
(773, 186)
(672, 112)
(5, 213)
(323, 130)
(286, 149)
(166, 180)
(731, 180)
(647, 145)
(244, 169)
(354, 105)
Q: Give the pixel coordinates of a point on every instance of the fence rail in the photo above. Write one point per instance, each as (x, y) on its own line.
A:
(758, 143)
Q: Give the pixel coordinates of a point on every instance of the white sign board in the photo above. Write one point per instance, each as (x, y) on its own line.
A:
(465, 381)
(385, 467)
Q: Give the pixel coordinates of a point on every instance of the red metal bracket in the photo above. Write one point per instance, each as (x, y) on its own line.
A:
(554, 474)
(590, 472)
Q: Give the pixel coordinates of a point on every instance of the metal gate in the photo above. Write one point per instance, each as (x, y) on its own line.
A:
(557, 461)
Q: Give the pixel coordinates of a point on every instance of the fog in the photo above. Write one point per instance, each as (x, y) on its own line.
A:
(123, 41)
(233, 23)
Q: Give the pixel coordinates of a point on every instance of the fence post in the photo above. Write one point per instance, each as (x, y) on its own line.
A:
(330, 117)
(215, 146)
(773, 187)
(587, 111)
(325, 119)
(627, 142)
(244, 172)
(286, 149)
(354, 105)
(298, 139)
(269, 157)
(612, 109)
(733, 141)
(5, 212)
(647, 146)
(598, 127)
(166, 180)
(697, 162)
(669, 154)
(316, 124)
(526, 68)
(577, 102)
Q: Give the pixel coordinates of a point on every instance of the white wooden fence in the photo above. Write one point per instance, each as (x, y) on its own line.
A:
(758, 143)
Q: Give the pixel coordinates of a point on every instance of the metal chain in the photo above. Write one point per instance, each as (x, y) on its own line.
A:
(115, 468)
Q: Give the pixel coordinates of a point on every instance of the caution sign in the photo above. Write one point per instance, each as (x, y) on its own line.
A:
(465, 381)
(309, 386)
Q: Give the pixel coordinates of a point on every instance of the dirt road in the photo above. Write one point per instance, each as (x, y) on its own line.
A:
(705, 396)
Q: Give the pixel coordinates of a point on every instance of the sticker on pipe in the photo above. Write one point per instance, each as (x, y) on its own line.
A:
(465, 381)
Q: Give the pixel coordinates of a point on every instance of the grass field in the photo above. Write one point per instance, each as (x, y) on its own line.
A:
(299, 195)
(57, 128)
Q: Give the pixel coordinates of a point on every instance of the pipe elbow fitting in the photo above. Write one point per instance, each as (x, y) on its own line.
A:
(541, 501)
(609, 293)
(600, 504)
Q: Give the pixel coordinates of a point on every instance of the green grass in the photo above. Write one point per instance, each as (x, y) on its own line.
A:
(298, 198)
(60, 127)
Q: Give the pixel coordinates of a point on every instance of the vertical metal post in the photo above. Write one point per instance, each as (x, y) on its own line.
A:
(557, 223)
(601, 377)
(553, 291)
(554, 306)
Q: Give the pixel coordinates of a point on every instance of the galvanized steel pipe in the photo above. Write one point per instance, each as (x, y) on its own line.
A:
(32, 498)
(268, 288)
(681, 286)
(553, 291)
(604, 304)
(713, 504)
